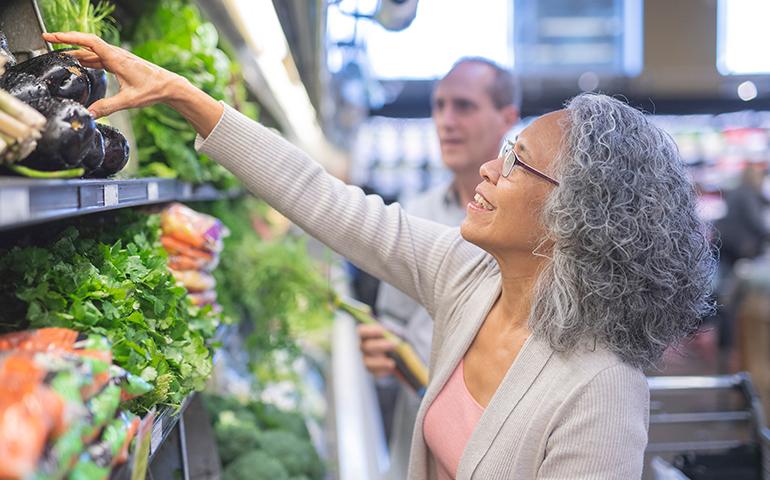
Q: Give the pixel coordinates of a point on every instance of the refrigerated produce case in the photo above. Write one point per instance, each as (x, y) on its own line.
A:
(181, 441)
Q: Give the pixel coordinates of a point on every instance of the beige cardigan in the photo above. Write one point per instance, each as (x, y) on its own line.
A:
(581, 415)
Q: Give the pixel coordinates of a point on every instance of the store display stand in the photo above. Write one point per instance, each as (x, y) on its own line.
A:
(178, 435)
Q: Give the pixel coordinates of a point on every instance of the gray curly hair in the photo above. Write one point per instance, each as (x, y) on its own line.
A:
(632, 265)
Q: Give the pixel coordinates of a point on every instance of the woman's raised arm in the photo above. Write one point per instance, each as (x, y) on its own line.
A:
(402, 250)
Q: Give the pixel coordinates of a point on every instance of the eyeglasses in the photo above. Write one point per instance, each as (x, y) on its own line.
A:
(511, 159)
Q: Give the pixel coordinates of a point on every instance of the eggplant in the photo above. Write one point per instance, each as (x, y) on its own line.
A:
(67, 137)
(23, 86)
(115, 152)
(5, 51)
(60, 73)
(95, 155)
(98, 79)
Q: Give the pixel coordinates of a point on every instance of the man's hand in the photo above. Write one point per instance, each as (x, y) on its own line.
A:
(375, 347)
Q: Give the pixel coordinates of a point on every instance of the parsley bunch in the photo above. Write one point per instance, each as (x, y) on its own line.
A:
(114, 283)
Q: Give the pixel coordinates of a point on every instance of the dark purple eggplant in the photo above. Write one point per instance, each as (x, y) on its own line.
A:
(98, 79)
(5, 51)
(95, 156)
(115, 152)
(61, 73)
(23, 86)
(67, 137)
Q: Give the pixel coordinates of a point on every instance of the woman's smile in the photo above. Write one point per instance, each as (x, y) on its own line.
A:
(480, 203)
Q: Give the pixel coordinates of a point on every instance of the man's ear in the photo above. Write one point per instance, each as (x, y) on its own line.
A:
(510, 115)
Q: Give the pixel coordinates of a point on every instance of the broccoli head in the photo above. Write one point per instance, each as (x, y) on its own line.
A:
(271, 417)
(235, 437)
(296, 454)
(255, 465)
(218, 403)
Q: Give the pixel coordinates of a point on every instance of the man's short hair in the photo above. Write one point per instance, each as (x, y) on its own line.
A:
(505, 89)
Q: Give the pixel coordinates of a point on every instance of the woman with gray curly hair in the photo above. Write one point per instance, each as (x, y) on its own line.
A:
(580, 261)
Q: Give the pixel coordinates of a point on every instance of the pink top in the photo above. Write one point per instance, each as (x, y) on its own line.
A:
(449, 423)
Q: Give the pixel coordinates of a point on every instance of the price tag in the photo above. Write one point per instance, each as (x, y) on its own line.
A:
(152, 191)
(156, 437)
(110, 195)
(14, 205)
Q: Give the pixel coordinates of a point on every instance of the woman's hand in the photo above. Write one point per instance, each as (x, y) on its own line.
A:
(141, 82)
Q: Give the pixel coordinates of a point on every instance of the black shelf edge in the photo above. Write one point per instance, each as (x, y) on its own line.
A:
(164, 423)
(25, 201)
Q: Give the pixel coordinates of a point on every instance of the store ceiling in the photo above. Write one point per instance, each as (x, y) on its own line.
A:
(677, 69)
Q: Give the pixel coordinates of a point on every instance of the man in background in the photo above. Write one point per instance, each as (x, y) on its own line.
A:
(473, 107)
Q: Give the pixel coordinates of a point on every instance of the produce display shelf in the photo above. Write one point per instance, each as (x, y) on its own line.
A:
(28, 201)
(166, 419)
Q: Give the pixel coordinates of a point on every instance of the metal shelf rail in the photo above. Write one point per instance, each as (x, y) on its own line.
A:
(28, 201)
(713, 425)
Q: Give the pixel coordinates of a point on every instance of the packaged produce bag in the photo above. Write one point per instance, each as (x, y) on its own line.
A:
(29, 412)
(193, 228)
(111, 449)
(194, 280)
(58, 389)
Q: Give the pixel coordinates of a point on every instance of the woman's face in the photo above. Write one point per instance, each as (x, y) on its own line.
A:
(510, 221)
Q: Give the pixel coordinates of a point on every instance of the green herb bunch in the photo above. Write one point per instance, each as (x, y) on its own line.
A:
(114, 283)
(80, 16)
(273, 287)
(175, 37)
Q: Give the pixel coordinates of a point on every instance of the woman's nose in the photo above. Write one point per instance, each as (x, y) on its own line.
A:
(490, 171)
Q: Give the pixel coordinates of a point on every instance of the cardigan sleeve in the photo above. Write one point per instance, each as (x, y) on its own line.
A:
(602, 434)
(400, 249)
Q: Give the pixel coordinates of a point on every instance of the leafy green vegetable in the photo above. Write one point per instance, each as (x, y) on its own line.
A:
(80, 16)
(271, 417)
(115, 283)
(296, 454)
(280, 434)
(273, 287)
(175, 37)
(255, 465)
(234, 437)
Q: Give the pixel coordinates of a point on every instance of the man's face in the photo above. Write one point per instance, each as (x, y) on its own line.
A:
(469, 126)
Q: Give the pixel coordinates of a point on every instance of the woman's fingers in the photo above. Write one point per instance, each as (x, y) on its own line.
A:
(141, 82)
(108, 105)
(85, 56)
(88, 40)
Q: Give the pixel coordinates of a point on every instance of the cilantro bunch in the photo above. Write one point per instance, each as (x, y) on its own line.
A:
(114, 283)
